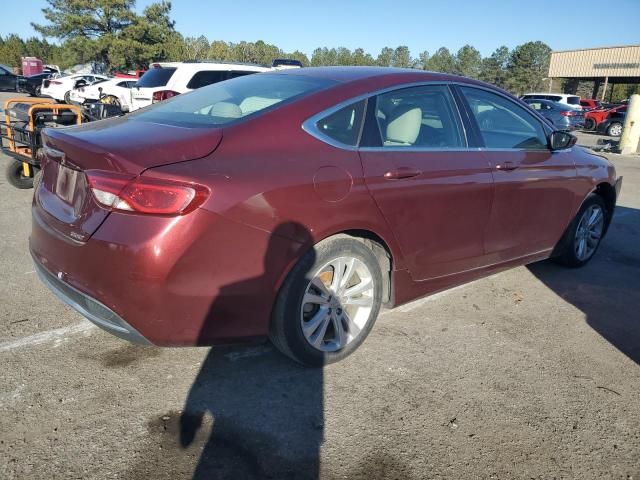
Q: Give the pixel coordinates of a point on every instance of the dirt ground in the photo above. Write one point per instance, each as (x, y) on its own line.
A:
(529, 374)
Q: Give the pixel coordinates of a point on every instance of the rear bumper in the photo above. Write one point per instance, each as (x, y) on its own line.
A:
(88, 307)
(200, 279)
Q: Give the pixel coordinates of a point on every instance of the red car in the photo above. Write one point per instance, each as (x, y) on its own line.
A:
(295, 204)
(593, 118)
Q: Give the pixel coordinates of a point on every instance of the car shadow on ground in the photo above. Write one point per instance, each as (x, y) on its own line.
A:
(251, 412)
(607, 289)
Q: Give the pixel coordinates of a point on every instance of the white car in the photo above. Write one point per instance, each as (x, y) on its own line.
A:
(59, 88)
(571, 100)
(165, 80)
(116, 91)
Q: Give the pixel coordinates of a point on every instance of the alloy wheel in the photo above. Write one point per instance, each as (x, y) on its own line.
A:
(615, 130)
(337, 304)
(589, 232)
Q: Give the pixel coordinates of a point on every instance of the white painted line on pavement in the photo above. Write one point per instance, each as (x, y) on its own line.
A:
(48, 336)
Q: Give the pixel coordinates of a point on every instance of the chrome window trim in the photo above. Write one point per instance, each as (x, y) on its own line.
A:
(309, 125)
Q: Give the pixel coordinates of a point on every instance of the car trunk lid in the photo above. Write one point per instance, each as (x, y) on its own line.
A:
(63, 196)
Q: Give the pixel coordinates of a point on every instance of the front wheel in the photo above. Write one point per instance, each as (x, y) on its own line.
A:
(582, 239)
(329, 302)
(67, 97)
(16, 177)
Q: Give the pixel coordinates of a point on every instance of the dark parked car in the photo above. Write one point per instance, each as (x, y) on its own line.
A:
(32, 84)
(8, 79)
(612, 126)
(563, 117)
(294, 204)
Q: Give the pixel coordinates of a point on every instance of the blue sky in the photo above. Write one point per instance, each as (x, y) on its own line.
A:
(373, 24)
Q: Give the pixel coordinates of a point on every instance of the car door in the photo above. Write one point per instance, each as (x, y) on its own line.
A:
(535, 188)
(434, 192)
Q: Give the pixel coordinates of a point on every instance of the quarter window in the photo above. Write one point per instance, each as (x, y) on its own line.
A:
(422, 117)
(344, 126)
(504, 124)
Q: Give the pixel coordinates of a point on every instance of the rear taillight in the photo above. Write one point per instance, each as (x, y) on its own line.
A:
(54, 82)
(145, 195)
(567, 113)
(163, 95)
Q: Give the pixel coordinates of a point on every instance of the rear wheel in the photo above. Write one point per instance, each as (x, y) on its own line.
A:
(582, 239)
(67, 97)
(328, 303)
(614, 130)
(16, 177)
(589, 124)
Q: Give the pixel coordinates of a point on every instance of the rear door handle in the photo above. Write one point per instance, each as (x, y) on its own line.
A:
(402, 172)
(506, 166)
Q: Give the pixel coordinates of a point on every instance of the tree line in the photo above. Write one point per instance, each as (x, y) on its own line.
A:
(111, 33)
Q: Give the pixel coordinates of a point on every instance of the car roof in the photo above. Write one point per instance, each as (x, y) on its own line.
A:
(551, 93)
(197, 66)
(352, 74)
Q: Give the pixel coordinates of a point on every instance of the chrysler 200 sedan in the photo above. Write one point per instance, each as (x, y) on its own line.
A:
(295, 204)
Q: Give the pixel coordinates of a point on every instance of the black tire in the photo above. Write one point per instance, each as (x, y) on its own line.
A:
(38, 91)
(566, 249)
(611, 127)
(15, 176)
(589, 124)
(67, 97)
(286, 327)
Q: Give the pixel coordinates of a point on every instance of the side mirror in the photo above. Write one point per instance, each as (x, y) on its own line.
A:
(561, 140)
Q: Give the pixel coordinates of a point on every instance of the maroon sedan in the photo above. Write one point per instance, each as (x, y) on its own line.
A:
(295, 204)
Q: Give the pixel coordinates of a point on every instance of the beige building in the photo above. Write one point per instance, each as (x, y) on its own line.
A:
(608, 65)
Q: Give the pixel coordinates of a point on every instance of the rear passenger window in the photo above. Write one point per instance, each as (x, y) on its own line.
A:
(344, 126)
(204, 78)
(503, 123)
(422, 117)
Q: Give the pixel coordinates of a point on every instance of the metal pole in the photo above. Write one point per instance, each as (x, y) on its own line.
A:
(604, 89)
(631, 129)
(550, 84)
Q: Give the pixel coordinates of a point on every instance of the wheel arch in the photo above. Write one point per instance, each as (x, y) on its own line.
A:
(387, 258)
(608, 194)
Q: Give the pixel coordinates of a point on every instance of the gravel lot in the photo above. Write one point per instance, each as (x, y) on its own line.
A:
(532, 373)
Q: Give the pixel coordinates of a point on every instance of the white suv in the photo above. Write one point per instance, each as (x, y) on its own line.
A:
(165, 80)
(571, 100)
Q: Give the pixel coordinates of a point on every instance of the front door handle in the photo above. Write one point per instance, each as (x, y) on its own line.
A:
(508, 166)
(402, 172)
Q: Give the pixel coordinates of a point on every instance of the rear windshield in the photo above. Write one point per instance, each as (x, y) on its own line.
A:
(573, 100)
(155, 77)
(229, 101)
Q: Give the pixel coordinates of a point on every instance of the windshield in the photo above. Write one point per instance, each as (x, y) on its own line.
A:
(230, 100)
(155, 77)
